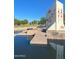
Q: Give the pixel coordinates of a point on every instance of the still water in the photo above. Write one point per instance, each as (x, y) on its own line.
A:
(24, 50)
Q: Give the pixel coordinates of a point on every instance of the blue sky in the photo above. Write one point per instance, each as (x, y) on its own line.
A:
(32, 9)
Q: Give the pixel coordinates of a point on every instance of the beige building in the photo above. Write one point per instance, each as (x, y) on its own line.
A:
(55, 17)
(55, 29)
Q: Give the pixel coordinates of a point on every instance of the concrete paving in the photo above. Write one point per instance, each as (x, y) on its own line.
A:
(39, 38)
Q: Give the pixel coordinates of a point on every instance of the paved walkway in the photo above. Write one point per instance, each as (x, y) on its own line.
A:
(39, 38)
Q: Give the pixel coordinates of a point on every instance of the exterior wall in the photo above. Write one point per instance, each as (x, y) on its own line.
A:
(55, 17)
(59, 16)
(55, 27)
(51, 17)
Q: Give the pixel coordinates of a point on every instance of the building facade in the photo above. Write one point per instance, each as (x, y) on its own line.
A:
(55, 29)
(55, 17)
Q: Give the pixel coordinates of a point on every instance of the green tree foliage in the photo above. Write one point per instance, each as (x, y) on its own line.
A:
(19, 22)
(26, 21)
(16, 21)
(34, 22)
(42, 21)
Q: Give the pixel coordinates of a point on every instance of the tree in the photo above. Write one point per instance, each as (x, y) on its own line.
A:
(42, 21)
(26, 21)
(19, 22)
(16, 21)
(34, 22)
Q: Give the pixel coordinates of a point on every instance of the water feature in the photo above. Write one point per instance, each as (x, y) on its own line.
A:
(23, 49)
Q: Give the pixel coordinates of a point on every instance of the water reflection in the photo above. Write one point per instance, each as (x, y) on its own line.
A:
(23, 49)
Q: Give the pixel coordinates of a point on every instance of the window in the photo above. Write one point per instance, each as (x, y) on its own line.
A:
(58, 11)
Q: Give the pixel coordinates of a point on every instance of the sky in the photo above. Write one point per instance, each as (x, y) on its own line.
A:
(32, 9)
